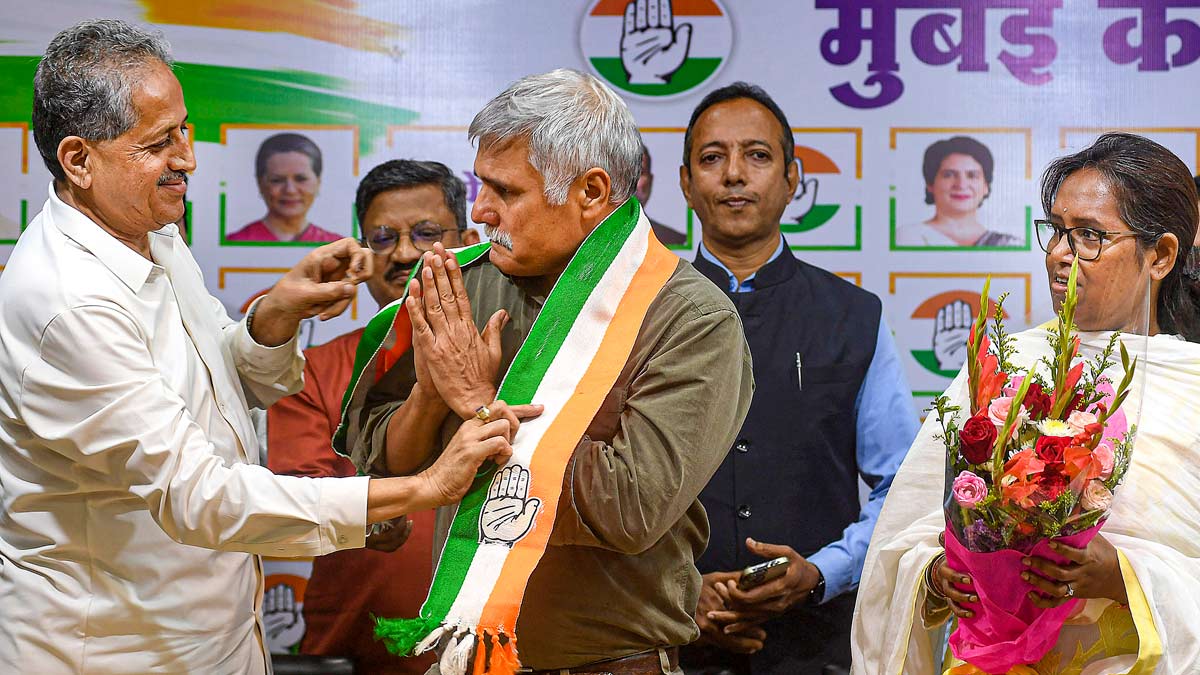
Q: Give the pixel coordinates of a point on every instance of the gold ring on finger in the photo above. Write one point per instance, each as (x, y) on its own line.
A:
(483, 414)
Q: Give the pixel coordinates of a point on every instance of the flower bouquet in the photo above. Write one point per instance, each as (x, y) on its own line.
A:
(1038, 458)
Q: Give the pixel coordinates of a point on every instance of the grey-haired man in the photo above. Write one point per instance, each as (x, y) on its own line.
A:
(617, 586)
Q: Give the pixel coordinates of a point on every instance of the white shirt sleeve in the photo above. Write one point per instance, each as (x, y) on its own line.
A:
(95, 397)
(267, 373)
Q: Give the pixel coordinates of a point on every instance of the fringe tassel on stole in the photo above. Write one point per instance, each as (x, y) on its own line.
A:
(399, 635)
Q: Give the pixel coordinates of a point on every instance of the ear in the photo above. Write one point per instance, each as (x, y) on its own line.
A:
(1162, 256)
(793, 177)
(470, 236)
(685, 184)
(596, 188)
(75, 158)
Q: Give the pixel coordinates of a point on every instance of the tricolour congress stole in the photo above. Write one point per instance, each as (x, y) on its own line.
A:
(575, 350)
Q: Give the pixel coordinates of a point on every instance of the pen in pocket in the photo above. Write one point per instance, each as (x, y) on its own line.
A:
(799, 379)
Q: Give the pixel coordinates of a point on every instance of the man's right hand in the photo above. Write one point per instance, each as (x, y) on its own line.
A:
(747, 641)
(474, 443)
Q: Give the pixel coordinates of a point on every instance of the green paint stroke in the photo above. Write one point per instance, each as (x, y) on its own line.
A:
(929, 362)
(219, 95)
(817, 216)
(693, 72)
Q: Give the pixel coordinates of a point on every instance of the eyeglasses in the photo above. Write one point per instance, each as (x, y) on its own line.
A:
(423, 236)
(1086, 243)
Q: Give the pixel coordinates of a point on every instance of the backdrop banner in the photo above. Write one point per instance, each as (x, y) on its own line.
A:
(904, 112)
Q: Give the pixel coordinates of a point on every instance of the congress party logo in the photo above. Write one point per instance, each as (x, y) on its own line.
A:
(805, 213)
(952, 313)
(656, 48)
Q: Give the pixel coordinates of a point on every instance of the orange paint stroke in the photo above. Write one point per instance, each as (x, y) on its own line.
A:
(333, 21)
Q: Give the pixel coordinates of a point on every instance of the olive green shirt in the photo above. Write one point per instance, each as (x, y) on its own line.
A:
(619, 575)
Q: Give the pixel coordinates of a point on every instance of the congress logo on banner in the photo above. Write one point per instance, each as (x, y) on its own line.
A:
(825, 214)
(931, 314)
(656, 48)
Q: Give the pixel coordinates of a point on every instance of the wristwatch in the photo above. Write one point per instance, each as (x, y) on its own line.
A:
(817, 594)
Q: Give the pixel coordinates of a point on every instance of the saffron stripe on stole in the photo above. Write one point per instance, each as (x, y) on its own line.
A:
(560, 440)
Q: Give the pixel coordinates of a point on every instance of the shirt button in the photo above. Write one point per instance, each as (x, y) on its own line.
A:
(743, 446)
(341, 538)
(744, 512)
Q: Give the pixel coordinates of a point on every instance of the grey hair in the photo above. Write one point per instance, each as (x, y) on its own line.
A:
(573, 123)
(83, 84)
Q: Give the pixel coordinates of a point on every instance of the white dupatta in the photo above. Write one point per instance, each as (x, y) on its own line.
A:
(1155, 523)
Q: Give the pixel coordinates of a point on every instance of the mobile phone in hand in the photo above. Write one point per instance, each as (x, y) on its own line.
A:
(757, 575)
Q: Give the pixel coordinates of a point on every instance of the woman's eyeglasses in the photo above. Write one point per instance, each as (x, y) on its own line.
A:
(1086, 243)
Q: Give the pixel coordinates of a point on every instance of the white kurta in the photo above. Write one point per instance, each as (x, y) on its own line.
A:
(132, 498)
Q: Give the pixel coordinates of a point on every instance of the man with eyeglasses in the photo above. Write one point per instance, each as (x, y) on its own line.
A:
(404, 207)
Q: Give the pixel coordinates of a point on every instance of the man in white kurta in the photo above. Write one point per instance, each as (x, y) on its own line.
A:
(133, 505)
(117, 439)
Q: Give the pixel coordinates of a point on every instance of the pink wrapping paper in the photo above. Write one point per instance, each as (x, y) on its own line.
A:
(1007, 629)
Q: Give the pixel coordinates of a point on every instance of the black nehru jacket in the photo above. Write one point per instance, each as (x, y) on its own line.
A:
(791, 477)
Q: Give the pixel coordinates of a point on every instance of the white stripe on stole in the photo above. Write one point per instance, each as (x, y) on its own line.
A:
(573, 359)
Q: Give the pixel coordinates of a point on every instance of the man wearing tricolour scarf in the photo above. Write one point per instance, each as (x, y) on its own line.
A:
(579, 554)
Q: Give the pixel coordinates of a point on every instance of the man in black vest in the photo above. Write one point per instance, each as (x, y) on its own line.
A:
(831, 405)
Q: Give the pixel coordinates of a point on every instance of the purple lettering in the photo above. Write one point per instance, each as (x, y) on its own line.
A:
(1151, 51)
(1031, 68)
(842, 46)
(472, 185)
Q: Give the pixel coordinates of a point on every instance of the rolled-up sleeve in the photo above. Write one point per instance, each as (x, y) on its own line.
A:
(680, 418)
(104, 408)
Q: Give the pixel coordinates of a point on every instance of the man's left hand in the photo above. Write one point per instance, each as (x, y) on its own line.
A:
(756, 605)
(322, 284)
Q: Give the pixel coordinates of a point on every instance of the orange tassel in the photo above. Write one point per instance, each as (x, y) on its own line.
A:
(504, 657)
(481, 645)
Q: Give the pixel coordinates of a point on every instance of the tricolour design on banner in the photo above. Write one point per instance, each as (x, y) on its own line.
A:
(656, 48)
(931, 314)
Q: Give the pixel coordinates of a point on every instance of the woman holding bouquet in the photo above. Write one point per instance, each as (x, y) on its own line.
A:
(1119, 210)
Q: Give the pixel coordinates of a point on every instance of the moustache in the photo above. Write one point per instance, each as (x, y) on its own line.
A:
(398, 273)
(173, 177)
(497, 237)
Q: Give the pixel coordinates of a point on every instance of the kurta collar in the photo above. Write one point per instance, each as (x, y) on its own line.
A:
(132, 269)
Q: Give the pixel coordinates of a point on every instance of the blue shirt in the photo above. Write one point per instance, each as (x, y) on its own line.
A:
(883, 438)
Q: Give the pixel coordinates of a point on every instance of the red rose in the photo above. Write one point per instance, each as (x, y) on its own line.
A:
(1050, 449)
(977, 438)
(1053, 484)
(1037, 402)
